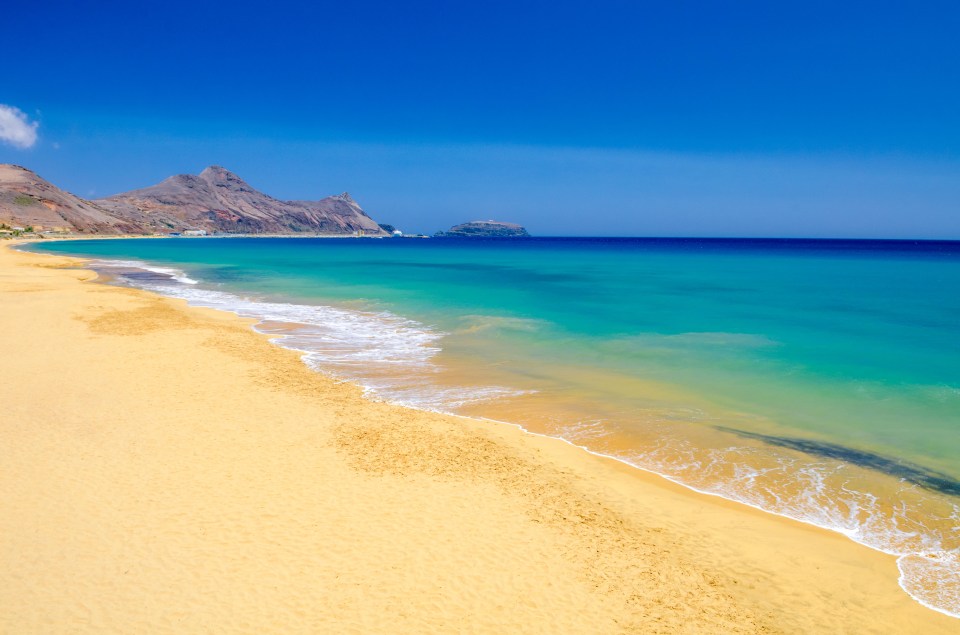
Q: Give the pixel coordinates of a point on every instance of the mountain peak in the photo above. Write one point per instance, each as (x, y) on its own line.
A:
(217, 172)
(221, 177)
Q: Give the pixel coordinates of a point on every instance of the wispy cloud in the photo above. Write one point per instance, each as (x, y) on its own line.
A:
(16, 129)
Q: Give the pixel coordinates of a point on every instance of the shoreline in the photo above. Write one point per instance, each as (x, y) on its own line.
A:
(922, 586)
(758, 541)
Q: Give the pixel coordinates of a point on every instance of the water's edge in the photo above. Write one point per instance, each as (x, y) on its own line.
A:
(331, 363)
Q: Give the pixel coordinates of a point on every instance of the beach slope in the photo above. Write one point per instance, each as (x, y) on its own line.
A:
(167, 469)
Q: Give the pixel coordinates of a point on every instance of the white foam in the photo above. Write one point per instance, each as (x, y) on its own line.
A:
(584, 431)
(390, 356)
(437, 398)
(821, 494)
(175, 274)
(929, 571)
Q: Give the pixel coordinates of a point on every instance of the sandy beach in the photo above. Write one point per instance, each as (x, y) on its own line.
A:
(168, 469)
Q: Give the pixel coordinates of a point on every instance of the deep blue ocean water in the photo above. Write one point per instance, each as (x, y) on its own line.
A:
(815, 379)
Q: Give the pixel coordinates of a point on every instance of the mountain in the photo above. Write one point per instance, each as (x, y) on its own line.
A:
(26, 200)
(485, 229)
(218, 200)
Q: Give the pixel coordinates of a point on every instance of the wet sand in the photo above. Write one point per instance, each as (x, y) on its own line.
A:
(167, 469)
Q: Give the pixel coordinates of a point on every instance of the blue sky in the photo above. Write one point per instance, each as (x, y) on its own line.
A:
(619, 118)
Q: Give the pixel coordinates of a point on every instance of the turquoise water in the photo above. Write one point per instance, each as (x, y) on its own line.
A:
(815, 379)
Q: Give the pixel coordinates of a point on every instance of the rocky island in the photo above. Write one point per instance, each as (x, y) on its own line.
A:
(484, 229)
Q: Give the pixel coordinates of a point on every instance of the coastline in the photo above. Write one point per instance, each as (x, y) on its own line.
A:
(173, 471)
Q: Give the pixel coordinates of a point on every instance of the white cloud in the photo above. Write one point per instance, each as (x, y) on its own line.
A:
(16, 129)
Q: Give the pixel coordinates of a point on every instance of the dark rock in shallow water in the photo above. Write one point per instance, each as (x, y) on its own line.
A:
(485, 229)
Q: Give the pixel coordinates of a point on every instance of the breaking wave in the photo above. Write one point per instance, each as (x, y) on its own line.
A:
(390, 357)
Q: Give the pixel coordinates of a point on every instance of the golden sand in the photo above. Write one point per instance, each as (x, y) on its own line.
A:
(167, 469)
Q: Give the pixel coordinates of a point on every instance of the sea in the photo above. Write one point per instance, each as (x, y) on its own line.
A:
(814, 379)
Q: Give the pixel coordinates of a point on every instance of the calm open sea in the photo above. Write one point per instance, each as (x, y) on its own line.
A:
(819, 380)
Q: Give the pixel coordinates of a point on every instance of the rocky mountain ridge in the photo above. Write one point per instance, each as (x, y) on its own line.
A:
(219, 201)
(216, 200)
